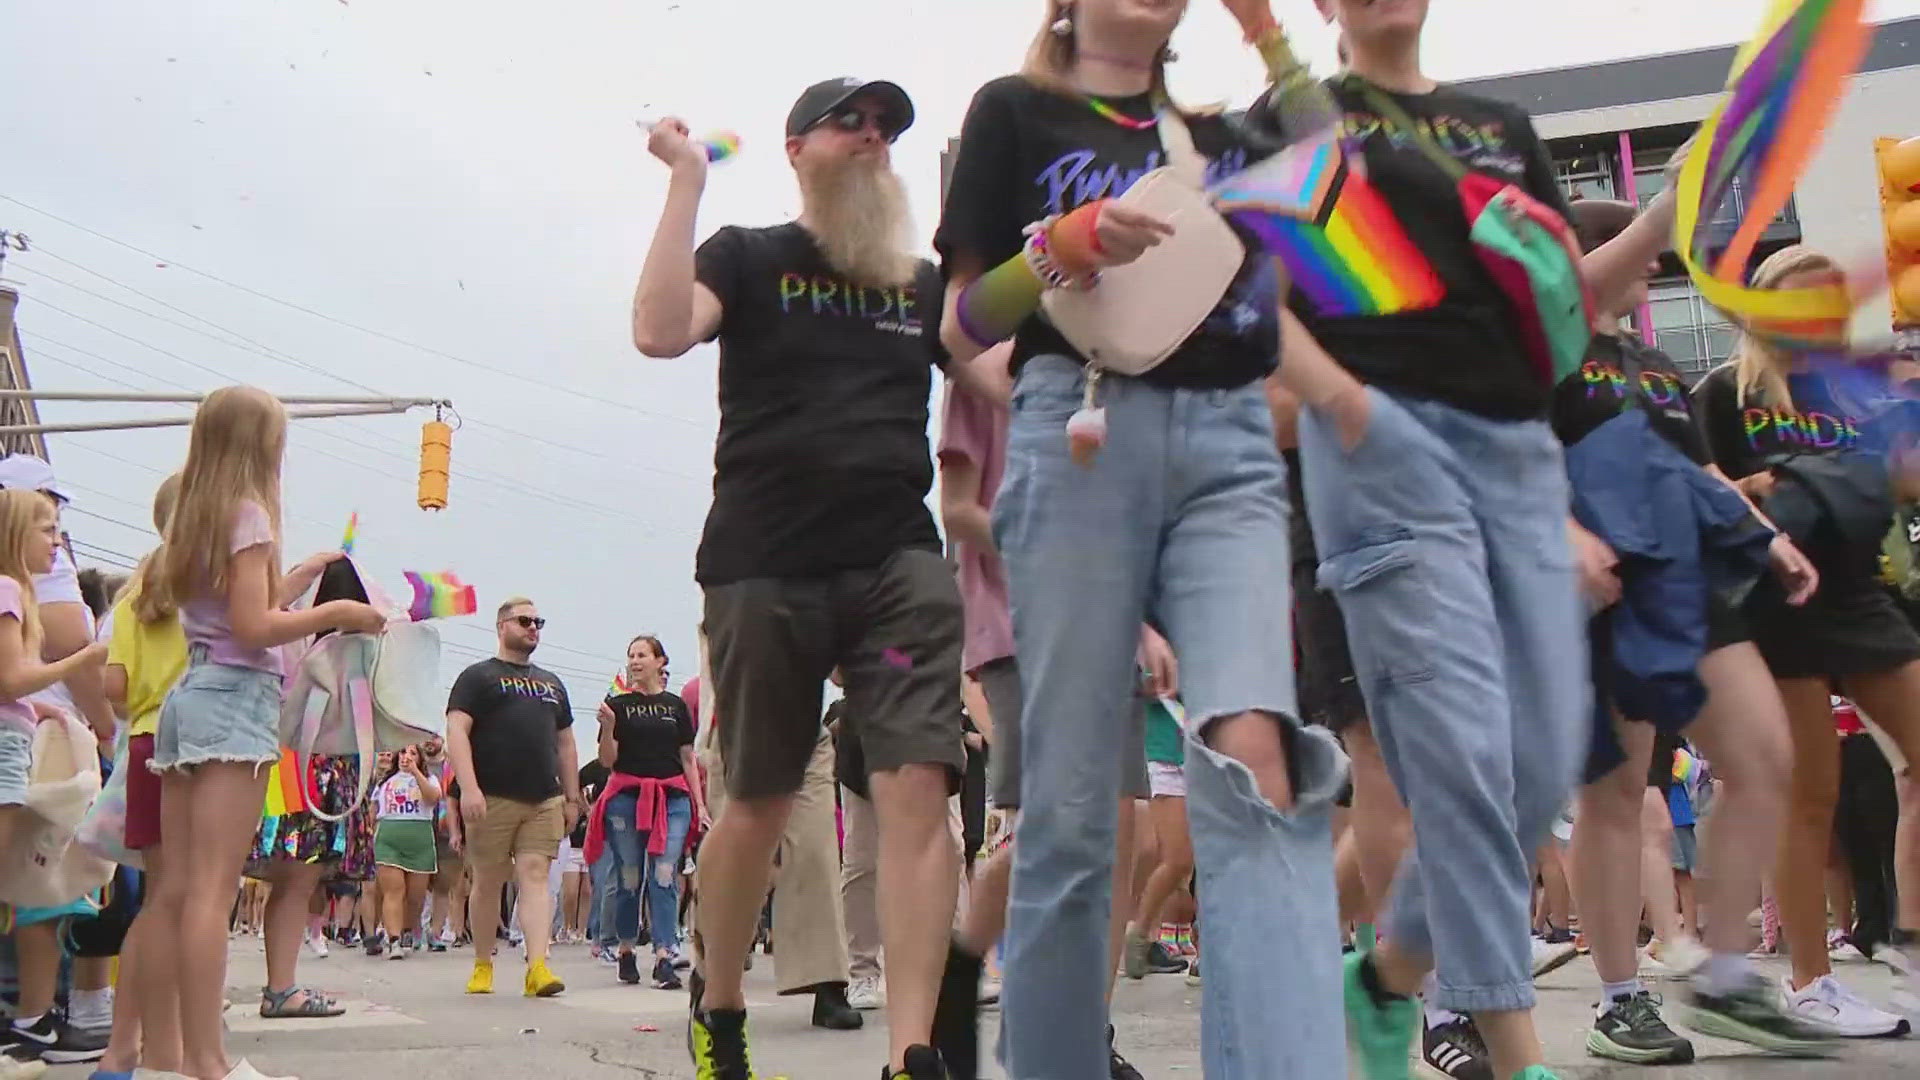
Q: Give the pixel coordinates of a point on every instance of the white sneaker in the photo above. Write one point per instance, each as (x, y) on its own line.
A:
(866, 994)
(245, 1071)
(318, 947)
(1672, 960)
(1827, 1003)
(990, 991)
(1548, 957)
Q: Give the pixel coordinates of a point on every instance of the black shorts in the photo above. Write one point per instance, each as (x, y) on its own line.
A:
(1329, 690)
(1852, 626)
(894, 630)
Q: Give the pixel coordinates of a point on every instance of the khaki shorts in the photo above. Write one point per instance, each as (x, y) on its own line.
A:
(512, 828)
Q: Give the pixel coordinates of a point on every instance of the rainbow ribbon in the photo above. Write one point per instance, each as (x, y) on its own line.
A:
(1312, 209)
(439, 596)
(1783, 88)
(719, 145)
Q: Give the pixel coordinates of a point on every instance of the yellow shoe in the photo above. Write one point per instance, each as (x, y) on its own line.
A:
(541, 981)
(481, 981)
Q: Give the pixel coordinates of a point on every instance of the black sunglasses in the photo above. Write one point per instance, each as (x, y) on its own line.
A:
(852, 119)
(528, 622)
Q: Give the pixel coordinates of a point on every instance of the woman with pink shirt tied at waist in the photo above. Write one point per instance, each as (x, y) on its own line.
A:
(646, 738)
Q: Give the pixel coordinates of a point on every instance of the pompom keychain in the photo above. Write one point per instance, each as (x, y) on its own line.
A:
(720, 145)
(1087, 427)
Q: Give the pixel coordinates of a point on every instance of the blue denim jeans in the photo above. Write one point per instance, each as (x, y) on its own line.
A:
(1182, 516)
(631, 869)
(1444, 535)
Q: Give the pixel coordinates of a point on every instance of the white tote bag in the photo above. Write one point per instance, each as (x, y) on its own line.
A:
(44, 866)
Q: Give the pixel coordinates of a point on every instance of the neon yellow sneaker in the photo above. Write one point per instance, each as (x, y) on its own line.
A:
(541, 981)
(481, 981)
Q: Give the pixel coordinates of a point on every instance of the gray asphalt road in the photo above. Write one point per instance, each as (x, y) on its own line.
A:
(409, 1019)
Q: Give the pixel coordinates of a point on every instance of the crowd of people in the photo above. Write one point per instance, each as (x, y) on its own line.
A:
(1339, 642)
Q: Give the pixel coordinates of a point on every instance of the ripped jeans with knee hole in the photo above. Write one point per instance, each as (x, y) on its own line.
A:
(630, 869)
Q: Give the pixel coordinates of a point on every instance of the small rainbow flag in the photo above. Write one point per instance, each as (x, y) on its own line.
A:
(439, 596)
(620, 685)
(286, 788)
(353, 533)
(1337, 237)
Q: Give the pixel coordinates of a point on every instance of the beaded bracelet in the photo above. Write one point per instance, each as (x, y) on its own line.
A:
(1039, 256)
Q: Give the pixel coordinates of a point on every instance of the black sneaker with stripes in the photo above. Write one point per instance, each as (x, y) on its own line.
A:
(1454, 1051)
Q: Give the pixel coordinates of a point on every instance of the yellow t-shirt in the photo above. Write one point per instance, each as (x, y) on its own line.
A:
(154, 656)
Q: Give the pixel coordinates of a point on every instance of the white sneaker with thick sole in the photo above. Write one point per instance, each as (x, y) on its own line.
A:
(317, 946)
(1825, 1002)
(866, 994)
(1548, 957)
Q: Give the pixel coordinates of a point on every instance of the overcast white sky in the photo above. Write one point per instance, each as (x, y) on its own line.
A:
(465, 175)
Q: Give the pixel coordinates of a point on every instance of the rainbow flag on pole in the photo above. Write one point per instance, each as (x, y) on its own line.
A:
(439, 596)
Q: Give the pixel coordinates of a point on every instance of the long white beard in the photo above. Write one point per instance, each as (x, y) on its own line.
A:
(862, 222)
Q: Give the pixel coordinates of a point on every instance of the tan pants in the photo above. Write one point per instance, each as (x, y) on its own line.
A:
(860, 883)
(809, 947)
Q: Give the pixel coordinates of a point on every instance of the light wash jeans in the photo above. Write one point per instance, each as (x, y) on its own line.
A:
(1183, 515)
(631, 869)
(1444, 535)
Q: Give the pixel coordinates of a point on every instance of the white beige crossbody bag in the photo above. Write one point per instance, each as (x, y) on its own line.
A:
(1141, 312)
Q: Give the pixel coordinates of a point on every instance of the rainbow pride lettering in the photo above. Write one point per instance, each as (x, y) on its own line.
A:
(1817, 430)
(822, 295)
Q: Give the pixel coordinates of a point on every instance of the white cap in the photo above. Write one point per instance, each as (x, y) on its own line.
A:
(28, 473)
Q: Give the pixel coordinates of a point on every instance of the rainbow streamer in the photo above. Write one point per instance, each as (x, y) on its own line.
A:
(1338, 239)
(1783, 88)
(352, 534)
(286, 787)
(439, 596)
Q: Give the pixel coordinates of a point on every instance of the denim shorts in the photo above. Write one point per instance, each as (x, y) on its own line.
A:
(218, 712)
(16, 760)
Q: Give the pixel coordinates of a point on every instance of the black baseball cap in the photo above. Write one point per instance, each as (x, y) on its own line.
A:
(822, 98)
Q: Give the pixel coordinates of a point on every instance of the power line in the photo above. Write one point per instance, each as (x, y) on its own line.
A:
(383, 335)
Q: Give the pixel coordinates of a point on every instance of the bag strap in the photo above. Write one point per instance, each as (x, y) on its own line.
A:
(1390, 109)
(1177, 141)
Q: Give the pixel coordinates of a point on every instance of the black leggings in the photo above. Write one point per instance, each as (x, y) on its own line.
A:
(1864, 821)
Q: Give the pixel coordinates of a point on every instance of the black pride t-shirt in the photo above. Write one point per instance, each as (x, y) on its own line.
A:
(517, 709)
(822, 462)
(1464, 351)
(1027, 153)
(1753, 436)
(1621, 372)
(649, 731)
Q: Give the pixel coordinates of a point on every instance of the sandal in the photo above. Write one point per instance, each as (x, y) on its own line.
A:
(277, 1004)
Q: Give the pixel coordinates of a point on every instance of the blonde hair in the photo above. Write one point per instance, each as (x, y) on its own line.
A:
(233, 456)
(1050, 58)
(23, 513)
(152, 603)
(1759, 369)
(508, 605)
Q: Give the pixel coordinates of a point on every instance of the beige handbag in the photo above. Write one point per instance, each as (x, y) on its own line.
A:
(1141, 312)
(42, 866)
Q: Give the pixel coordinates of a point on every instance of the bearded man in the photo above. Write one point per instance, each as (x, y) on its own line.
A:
(819, 550)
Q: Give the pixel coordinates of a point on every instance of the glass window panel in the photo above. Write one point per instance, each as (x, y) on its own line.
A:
(1682, 345)
(1720, 342)
(1671, 313)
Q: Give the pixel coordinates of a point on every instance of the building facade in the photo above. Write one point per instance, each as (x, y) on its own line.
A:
(1613, 127)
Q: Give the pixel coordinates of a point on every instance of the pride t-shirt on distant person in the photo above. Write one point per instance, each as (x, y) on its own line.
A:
(204, 617)
(400, 799)
(1754, 435)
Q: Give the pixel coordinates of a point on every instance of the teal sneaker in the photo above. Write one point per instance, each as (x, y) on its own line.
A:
(1535, 1072)
(1381, 1035)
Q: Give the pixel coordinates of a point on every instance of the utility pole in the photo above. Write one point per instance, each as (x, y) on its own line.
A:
(20, 415)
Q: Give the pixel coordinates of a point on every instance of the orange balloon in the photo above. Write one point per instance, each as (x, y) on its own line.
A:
(1906, 292)
(1904, 227)
(1902, 166)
